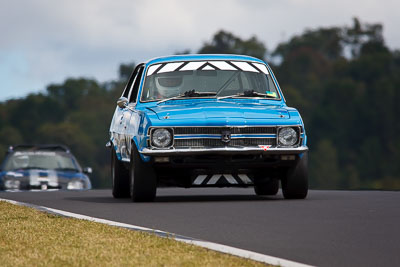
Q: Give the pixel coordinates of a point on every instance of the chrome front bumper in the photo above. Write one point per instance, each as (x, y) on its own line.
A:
(225, 150)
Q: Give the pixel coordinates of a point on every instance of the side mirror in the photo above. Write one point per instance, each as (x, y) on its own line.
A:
(87, 170)
(122, 102)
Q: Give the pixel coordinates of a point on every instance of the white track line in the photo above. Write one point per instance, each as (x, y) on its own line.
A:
(205, 244)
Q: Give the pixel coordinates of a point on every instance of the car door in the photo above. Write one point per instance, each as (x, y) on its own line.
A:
(121, 115)
(130, 115)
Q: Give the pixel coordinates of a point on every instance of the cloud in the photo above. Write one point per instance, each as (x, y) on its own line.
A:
(46, 41)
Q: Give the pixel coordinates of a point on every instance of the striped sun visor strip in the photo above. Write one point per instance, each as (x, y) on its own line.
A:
(207, 65)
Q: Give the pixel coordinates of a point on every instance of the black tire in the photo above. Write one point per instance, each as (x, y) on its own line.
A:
(269, 188)
(120, 177)
(143, 180)
(295, 184)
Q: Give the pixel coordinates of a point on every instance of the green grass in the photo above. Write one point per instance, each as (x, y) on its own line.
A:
(32, 238)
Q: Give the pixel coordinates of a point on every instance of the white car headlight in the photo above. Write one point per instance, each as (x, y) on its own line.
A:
(161, 138)
(287, 136)
(12, 184)
(75, 185)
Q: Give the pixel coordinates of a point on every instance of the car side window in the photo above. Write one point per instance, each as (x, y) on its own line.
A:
(130, 82)
(136, 82)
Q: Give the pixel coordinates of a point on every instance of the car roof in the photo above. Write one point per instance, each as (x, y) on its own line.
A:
(197, 57)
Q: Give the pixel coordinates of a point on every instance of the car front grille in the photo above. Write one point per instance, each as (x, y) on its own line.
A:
(194, 142)
(218, 130)
(217, 143)
(240, 136)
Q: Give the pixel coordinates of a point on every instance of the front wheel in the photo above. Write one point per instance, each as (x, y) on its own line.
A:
(120, 177)
(143, 180)
(295, 184)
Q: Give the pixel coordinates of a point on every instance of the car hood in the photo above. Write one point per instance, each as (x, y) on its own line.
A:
(203, 110)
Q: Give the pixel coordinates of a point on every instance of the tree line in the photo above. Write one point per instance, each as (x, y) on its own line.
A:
(344, 81)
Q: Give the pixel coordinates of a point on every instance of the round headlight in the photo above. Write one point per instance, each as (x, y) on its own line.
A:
(287, 136)
(161, 138)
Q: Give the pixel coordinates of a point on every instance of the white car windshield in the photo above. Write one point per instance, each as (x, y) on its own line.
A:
(209, 79)
(40, 160)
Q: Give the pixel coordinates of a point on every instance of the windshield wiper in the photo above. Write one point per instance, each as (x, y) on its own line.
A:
(171, 98)
(248, 93)
(67, 169)
(194, 93)
(30, 168)
(190, 93)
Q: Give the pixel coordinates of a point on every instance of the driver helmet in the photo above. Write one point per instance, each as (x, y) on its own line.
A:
(169, 86)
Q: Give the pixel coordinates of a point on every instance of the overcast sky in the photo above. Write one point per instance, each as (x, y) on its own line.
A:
(46, 41)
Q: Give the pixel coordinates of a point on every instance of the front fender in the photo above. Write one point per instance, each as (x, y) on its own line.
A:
(136, 145)
(112, 144)
(139, 125)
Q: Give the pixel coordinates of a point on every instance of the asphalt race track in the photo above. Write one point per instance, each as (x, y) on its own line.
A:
(329, 228)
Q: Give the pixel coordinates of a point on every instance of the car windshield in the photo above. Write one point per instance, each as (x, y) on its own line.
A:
(40, 160)
(209, 79)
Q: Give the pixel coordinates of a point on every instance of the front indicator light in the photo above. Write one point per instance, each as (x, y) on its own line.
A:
(161, 159)
(288, 157)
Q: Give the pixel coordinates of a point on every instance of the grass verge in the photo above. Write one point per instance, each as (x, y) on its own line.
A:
(32, 238)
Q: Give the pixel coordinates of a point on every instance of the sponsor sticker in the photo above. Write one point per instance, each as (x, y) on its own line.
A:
(264, 147)
(272, 94)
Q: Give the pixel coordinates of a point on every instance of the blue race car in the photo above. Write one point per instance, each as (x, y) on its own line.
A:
(42, 167)
(206, 121)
